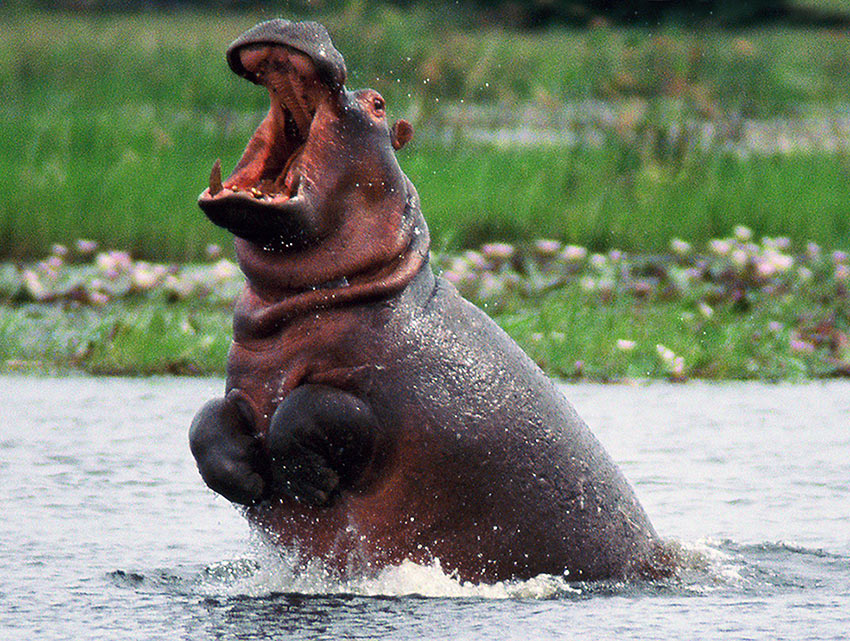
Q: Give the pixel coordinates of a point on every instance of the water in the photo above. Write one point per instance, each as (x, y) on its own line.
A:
(108, 532)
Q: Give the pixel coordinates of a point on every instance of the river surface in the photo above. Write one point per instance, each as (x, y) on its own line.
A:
(107, 531)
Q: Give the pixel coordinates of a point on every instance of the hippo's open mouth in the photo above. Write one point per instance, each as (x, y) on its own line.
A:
(266, 197)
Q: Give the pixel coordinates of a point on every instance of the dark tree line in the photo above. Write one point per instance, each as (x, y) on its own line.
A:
(528, 13)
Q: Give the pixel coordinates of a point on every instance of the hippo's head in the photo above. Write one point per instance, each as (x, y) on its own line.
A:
(319, 177)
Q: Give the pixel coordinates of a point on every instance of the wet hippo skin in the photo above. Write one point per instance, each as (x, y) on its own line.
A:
(371, 414)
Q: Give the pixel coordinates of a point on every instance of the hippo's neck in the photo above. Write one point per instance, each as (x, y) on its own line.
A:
(262, 311)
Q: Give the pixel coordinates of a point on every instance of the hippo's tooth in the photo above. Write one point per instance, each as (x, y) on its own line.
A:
(215, 178)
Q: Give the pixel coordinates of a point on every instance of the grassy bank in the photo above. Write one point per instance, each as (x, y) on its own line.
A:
(109, 126)
(734, 309)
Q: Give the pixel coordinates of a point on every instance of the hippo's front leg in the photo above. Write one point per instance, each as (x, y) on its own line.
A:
(322, 441)
(229, 454)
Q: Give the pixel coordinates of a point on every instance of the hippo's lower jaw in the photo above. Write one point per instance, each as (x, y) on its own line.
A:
(275, 221)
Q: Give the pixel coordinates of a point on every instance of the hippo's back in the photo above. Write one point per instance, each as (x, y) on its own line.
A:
(513, 480)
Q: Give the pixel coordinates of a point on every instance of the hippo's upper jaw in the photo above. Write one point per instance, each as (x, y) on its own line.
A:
(267, 199)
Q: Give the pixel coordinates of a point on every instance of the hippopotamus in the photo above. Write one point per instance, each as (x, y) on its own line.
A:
(371, 415)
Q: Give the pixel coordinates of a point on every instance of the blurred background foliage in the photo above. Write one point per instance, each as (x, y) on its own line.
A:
(608, 124)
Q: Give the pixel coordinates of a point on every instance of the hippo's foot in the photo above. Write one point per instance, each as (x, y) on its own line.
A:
(321, 441)
(229, 455)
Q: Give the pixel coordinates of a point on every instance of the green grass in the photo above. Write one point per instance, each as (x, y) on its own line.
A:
(109, 126)
(569, 332)
(473, 194)
(572, 335)
(130, 180)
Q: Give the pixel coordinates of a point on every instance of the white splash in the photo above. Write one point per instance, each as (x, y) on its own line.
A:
(276, 572)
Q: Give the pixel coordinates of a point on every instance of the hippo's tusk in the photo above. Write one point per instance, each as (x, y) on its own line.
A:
(215, 178)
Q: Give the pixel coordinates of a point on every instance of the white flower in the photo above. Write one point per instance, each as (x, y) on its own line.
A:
(625, 345)
(742, 234)
(665, 353)
(680, 247)
(147, 276)
(224, 270)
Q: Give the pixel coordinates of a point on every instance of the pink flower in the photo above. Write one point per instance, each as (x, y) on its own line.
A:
(113, 263)
(799, 345)
(86, 246)
(476, 260)
(452, 276)
(598, 261)
(680, 247)
(547, 248)
(497, 251)
(574, 253)
(33, 285)
(719, 247)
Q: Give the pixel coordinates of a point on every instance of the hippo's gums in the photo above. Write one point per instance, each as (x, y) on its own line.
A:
(371, 414)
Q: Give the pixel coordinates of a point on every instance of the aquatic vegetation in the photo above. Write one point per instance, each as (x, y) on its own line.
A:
(734, 307)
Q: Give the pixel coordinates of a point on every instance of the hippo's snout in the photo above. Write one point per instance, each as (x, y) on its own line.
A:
(308, 38)
(317, 144)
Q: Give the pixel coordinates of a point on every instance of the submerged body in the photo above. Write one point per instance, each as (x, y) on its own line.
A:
(372, 415)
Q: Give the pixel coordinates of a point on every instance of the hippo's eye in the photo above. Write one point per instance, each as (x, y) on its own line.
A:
(378, 105)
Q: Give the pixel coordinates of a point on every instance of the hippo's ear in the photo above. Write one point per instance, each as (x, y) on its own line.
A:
(402, 132)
